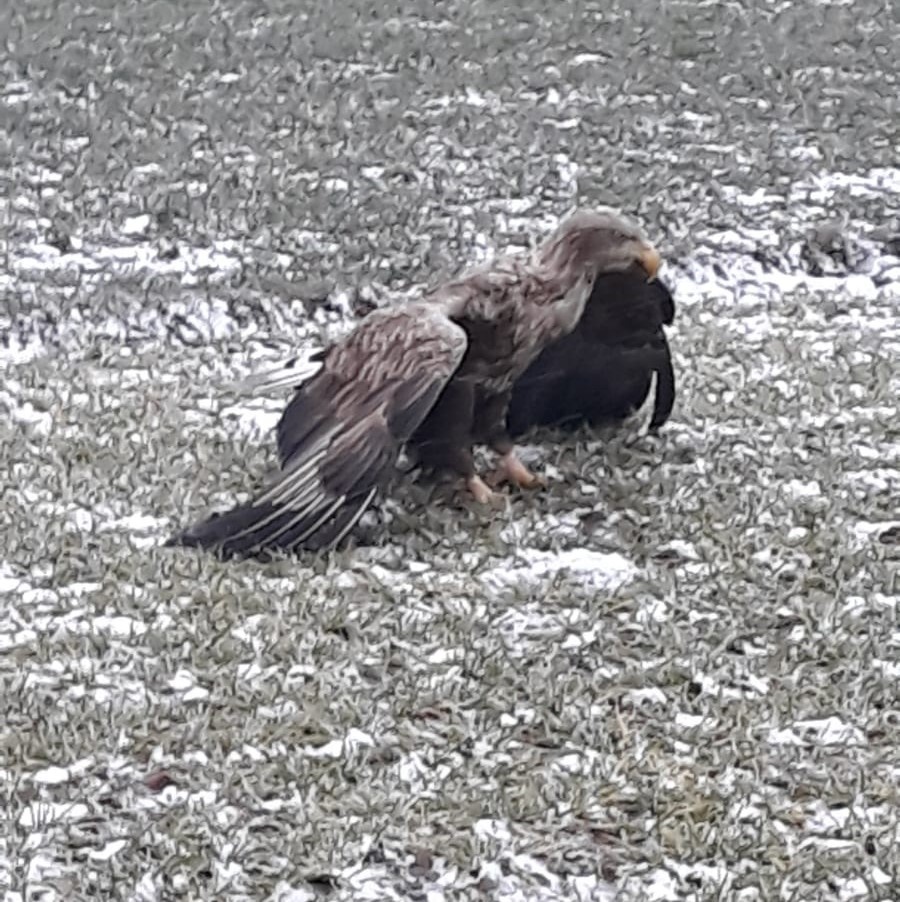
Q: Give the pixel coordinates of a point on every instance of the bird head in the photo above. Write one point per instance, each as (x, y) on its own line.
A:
(590, 242)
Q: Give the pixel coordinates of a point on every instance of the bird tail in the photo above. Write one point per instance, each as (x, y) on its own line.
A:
(259, 530)
(664, 399)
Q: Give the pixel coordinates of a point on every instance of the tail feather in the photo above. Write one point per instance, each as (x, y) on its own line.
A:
(219, 531)
(306, 507)
(329, 531)
(259, 529)
(665, 390)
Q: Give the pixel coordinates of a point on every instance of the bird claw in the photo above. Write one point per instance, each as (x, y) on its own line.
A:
(481, 491)
(513, 470)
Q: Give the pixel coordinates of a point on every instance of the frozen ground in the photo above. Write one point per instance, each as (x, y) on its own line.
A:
(672, 675)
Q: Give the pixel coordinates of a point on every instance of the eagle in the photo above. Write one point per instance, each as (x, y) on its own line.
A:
(435, 374)
(602, 371)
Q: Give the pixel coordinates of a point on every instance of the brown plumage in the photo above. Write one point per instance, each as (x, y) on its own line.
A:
(436, 375)
(601, 372)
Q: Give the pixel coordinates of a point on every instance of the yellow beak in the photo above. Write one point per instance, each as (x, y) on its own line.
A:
(650, 259)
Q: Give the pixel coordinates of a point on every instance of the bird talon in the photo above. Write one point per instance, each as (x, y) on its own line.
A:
(480, 490)
(513, 470)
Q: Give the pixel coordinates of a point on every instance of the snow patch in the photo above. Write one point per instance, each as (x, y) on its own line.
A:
(597, 570)
(827, 731)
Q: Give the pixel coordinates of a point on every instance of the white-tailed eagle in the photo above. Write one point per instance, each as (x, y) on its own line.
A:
(437, 374)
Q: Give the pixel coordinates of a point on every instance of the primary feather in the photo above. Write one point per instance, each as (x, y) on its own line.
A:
(292, 374)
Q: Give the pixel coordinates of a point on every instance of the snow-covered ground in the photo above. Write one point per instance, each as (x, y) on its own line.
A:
(671, 675)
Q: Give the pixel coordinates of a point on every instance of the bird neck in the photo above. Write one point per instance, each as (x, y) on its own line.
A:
(566, 286)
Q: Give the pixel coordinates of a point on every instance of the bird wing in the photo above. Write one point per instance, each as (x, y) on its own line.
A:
(341, 434)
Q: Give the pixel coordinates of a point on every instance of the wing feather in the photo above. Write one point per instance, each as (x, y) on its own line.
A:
(291, 375)
(341, 434)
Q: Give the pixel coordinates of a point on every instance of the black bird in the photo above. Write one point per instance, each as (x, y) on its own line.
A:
(601, 372)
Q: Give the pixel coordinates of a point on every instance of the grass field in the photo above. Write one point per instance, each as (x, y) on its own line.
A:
(671, 675)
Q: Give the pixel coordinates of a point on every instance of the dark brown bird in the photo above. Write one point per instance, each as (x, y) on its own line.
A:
(601, 372)
(437, 374)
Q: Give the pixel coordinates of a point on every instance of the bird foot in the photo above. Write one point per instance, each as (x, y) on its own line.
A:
(513, 470)
(482, 492)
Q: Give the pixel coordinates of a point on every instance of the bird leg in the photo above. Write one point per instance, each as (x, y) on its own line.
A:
(492, 425)
(445, 455)
(443, 440)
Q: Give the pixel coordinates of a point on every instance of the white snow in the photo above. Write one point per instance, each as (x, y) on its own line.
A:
(109, 850)
(864, 531)
(826, 731)
(182, 681)
(222, 257)
(136, 225)
(598, 570)
(338, 748)
(9, 582)
(139, 523)
(284, 892)
(798, 490)
(43, 814)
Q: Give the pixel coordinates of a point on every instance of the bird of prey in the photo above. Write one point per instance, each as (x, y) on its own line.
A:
(436, 374)
(601, 372)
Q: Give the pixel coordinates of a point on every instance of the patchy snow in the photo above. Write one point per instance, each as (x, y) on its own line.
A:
(865, 532)
(859, 889)
(9, 582)
(338, 748)
(14, 351)
(798, 490)
(530, 567)
(723, 266)
(44, 814)
(54, 775)
(185, 684)
(109, 850)
(137, 523)
(258, 419)
(284, 892)
(136, 225)
(827, 731)
(219, 259)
